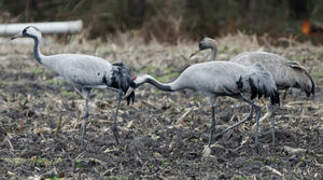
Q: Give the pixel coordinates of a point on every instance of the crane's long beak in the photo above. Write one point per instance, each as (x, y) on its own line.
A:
(130, 90)
(194, 53)
(18, 35)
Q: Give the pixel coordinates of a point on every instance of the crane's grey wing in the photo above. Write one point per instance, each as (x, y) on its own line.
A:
(215, 77)
(285, 73)
(250, 58)
(80, 69)
(274, 63)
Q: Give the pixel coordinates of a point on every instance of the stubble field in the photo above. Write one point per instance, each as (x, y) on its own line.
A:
(40, 118)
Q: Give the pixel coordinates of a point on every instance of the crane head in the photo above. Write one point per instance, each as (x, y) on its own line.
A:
(28, 32)
(137, 81)
(131, 95)
(205, 43)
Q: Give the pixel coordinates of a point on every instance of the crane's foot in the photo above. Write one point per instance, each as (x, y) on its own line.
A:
(115, 133)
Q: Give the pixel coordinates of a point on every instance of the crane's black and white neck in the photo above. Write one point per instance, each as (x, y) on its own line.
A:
(145, 78)
(36, 35)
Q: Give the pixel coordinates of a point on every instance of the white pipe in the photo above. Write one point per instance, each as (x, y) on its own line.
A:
(45, 27)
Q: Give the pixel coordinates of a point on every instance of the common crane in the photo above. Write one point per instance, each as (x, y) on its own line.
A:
(286, 74)
(85, 73)
(220, 78)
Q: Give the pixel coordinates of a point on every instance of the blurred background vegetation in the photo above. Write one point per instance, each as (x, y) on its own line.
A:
(171, 20)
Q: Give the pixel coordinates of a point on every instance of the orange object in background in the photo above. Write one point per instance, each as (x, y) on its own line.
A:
(306, 27)
(310, 28)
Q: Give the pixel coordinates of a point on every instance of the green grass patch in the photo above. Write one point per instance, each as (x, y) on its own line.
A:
(237, 50)
(56, 178)
(301, 162)
(171, 69)
(197, 98)
(79, 165)
(167, 77)
(71, 94)
(149, 69)
(118, 177)
(44, 162)
(316, 74)
(107, 53)
(255, 160)
(298, 57)
(15, 161)
(163, 164)
(36, 71)
(223, 49)
(236, 176)
(157, 92)
(276, 159)
(263, 109)
(56, 81)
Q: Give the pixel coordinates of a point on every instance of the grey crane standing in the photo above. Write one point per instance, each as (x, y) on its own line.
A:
(220, 78)
(286, 74)
(85, 73)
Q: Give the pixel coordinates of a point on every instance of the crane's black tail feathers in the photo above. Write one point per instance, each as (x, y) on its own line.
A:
(121, 79)
(261, 84)
(313, 85)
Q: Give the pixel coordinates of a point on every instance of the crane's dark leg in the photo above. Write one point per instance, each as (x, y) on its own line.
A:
(114, 126)
(212, 129)
(249, 116)
(257, 126)
(285, 92)
(85, 93)
(258, 110)
(272, 110)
